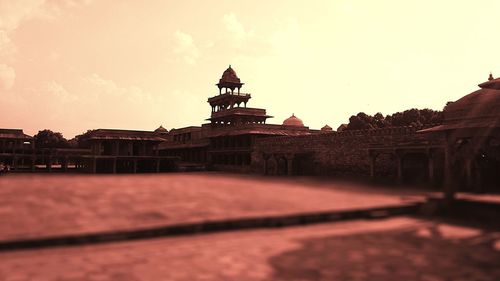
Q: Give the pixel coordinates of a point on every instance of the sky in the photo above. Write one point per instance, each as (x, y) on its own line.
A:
(74, 65)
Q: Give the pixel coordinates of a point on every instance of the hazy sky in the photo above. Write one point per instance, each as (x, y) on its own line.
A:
(73, 65)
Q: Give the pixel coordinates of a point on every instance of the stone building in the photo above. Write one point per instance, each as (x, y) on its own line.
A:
(227, 142)
(471, 140)
(16, 149)
(463, 153)
(124, 151)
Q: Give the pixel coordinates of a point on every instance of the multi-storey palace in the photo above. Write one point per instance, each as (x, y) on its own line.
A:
(463, 151)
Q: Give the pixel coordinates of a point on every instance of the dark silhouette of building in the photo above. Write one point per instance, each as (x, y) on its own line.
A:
(462, 153)
(227, 142)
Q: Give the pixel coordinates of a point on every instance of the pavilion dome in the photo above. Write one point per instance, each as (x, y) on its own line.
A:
(483, 103)
(161, 130)
(229, 76)
(293, 121)
(326, 128)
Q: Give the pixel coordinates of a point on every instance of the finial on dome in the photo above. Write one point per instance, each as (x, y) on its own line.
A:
(491, 77)
(229, 66)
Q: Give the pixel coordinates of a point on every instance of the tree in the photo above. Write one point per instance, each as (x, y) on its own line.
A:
(49, 139)
(412, 117)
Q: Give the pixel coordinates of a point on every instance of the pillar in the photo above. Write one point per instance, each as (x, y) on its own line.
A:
(32, 165)
(116, 147)
(430, 166)
(93, 168)
(14, 162)
(289, 164)
(135, 165)
(49, 164)
(65, 164)
(449, 186)
(158, 165)
(468, 171)
(114, 165)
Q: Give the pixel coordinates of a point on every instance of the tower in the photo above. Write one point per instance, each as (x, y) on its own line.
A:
(230, 107)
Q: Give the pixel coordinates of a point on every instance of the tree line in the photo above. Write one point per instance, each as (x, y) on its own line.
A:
(411, 117)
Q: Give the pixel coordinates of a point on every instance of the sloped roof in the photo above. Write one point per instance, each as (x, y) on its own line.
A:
(116, 134)
(13, 134)
(326, 128)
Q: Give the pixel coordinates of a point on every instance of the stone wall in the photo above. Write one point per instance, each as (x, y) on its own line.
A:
(343, 153)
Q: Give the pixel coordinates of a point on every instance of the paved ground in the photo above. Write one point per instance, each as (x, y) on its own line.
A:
(390, 249)
(38, 205)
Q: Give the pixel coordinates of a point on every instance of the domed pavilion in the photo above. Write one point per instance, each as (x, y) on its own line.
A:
(472, 131)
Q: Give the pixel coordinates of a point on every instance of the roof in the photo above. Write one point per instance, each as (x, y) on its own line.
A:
(342, 127)
(492, 83)
(276, 131)
(479, 109)
(293, 121)
(116, 134)
(465, 124)
(229, 76)
(326, 128)
(13, 134)
(161, 130)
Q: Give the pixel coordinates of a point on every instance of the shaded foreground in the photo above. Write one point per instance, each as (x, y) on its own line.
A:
(389, 249)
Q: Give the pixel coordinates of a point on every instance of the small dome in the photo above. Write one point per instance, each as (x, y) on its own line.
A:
(326, 128)
(161, 130)
(293, 121)
(229, 76)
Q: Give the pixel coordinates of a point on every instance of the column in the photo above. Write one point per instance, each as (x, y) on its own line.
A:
(32, 166)
(49, 164)
(116, 147)
(114, 165)
(430, 164)
(468, 171)
(449, 187)
(289, 164)
(93, 165)
(158, 165)
(65, 164)
(135, 166)
(14, 162)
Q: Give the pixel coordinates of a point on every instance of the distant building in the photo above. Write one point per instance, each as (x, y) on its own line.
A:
(463, 153)
(226, 143)
(16, 148)
(124, 151)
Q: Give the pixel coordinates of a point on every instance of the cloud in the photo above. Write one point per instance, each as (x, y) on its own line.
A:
(7, 77)
(184, 46)
(54, 90)
(107, 90)
(13, 13)
(236, 28)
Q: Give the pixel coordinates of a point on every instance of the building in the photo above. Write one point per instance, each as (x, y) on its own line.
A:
(462, 153)
(124, 151)
(227, 142)
(16, 149)
(471, 140)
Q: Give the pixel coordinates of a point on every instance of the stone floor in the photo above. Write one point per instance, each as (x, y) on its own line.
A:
(40, 205)
(389, 249)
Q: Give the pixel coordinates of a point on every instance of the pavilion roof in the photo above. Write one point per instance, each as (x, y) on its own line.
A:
(13, 134)
(117, 134)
